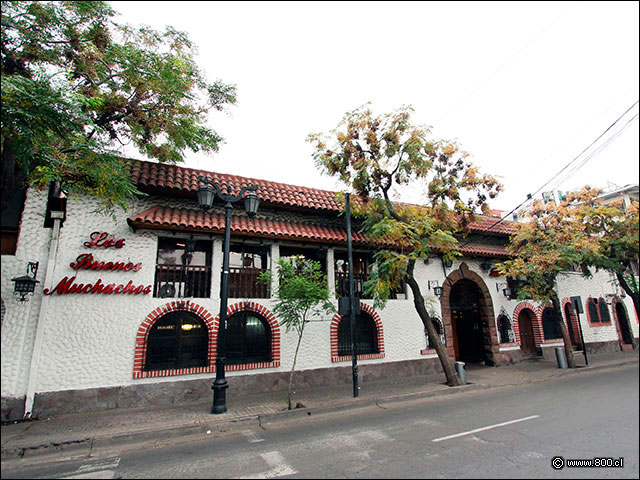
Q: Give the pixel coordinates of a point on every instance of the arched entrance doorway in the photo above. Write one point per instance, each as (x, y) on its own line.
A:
(467, 308)
(626, 339)
(525, 324)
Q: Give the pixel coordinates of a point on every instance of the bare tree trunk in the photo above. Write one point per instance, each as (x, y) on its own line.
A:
(452, 377)
(568, 347)
(293, 367)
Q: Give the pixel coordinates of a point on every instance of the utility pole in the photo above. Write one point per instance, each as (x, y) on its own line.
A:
(352, 302)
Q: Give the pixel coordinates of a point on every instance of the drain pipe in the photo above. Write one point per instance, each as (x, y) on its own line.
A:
(37, 345)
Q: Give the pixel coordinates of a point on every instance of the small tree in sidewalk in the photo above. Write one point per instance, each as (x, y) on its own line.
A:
(302, 292)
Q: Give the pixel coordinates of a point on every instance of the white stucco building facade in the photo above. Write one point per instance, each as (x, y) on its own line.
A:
(91, 349)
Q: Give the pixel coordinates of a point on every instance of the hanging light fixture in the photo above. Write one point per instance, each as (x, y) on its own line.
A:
(437, 290)
(26, 284)
(506, 291)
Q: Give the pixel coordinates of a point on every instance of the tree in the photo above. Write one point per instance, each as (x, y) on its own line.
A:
(302, 291)
(75, 84)
(373, 155)
(548, 242)
(616, 231)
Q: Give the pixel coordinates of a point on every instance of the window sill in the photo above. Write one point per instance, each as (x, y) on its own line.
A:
(429, 351)
(198, 370)
(346, 358)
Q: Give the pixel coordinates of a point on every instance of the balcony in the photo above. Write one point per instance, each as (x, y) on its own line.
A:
(177, 281)
(243, 283)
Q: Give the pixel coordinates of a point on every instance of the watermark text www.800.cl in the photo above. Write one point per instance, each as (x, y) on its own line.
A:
(558, 463)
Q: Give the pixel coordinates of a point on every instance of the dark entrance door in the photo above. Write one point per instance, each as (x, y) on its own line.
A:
(623, 324)
(466, 316)
(527, 343)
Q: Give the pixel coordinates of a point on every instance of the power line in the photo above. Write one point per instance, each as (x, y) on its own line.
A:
(500, 68)
(530, 196)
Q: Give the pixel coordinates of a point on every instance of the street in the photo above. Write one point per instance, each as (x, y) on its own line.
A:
(508, 432)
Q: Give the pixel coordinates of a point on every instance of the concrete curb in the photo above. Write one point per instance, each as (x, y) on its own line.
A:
(226, 426)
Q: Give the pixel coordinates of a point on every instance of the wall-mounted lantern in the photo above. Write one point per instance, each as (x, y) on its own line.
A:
(506, 291)
(437, 290)
(26, 284)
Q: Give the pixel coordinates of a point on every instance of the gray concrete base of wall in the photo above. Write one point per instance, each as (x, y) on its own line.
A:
(177, 392)
(548, 352)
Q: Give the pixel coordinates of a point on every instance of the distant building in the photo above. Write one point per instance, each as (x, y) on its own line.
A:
(628, 194)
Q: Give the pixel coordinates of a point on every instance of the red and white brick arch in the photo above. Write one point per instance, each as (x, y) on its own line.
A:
(143, 335)
(379, 336)
(536, 323)
(248, 306)
(573, 321)
(212, 328)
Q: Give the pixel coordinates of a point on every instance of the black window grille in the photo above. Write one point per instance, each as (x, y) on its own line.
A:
(366, 338)
(177, 340)
(504, 329)
(549, 326)
(592, 306)
(247, 338)
(604, 311)
(183, 268)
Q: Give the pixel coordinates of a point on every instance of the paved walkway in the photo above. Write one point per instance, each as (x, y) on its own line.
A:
(93, 429)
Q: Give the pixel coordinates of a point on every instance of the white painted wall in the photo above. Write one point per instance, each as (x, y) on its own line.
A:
(89, 340)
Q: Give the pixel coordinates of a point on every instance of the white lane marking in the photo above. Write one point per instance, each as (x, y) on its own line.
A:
(102, 474)
(469, 432)
(279, 467)
(252, 436)
(101, 469)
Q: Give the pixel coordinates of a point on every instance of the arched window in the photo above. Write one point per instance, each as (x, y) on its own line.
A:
(248, 338)
(177, 340)
(549, 325)
(604, 311)
(365, 335)
(504, 329)
(592, 308)
(598, 310)
(437, 324)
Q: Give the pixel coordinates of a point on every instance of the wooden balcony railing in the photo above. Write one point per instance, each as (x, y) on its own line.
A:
(342, 284)
(177, 281)
(243, 283)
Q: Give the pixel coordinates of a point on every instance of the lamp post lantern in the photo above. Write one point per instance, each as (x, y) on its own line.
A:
(206, 195)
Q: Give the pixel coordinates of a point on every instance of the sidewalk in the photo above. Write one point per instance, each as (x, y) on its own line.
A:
(90, 430)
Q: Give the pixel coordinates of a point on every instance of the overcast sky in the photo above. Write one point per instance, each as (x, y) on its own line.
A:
(524, 87)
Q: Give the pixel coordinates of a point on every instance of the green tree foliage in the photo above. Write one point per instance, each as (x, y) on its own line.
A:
(302, 291)
(374, 155)
(75, 84)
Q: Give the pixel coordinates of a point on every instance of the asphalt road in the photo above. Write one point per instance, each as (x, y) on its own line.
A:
(511, 432)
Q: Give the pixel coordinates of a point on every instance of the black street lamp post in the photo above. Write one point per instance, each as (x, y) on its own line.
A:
(206, 195)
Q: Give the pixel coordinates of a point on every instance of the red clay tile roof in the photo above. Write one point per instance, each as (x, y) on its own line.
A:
(149, 176)
(160, 217)
(185, 219)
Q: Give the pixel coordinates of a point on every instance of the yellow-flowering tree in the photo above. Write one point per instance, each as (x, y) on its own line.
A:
(373, 154)
(550, 241)
(616, 231)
